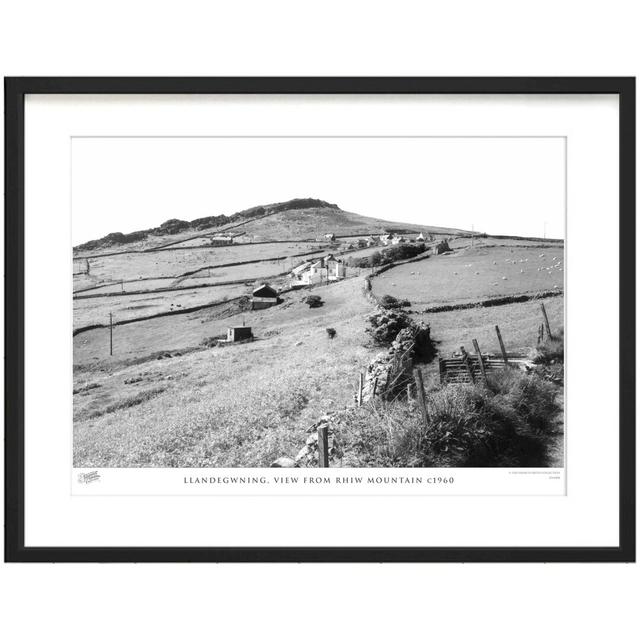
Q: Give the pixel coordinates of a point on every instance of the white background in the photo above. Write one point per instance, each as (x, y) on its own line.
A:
(331, 38)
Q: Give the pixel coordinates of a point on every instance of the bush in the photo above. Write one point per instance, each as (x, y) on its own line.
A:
(313, 301)
(403, 252)
(386, 324)
(389, 302)
(551, 351)
(531, 397)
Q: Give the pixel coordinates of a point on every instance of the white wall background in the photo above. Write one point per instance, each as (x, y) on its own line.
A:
(328, 38)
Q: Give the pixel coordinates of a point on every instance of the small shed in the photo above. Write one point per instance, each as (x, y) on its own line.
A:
(236, 334)
(265, 291)
(264, 297)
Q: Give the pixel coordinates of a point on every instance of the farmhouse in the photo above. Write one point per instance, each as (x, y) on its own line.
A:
(326, 269)
(264, 297)
(397, 239)
(330, 236)
(236, 334)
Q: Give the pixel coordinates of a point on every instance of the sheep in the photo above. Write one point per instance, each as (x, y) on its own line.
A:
(521, 270)
(504, 277)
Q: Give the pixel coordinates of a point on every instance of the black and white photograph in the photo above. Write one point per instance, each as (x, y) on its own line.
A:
(318, 301)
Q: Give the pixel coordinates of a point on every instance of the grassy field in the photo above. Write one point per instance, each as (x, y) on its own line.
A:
(130, 266)
(248, 404)
(94, 311)
(475, 273)
(241, 405)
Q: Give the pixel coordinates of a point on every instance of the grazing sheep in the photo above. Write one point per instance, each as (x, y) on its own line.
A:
(521, 270)
(477, 273)
(504, 277)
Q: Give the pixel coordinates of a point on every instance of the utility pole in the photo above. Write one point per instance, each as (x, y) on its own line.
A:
(110, 334)
(544, 235)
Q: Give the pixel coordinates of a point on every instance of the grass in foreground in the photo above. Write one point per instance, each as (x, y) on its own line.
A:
(505, 424)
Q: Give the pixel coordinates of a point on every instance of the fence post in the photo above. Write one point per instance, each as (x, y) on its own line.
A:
(374, 388)
(546, 321)
(479, 354)
(360, 385)
(323, 446)
(422, 401)
(504, 351)
(467, 362)
(110, 334)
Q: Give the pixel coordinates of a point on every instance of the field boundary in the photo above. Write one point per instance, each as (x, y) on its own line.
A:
(493, 302)
(161, 314)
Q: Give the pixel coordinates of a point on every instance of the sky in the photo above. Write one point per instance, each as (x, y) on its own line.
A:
(510, 186)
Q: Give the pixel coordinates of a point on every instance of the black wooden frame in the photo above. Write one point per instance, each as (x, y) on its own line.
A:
(15, 91)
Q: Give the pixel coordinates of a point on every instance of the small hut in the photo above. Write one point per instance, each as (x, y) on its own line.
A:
(237, 334)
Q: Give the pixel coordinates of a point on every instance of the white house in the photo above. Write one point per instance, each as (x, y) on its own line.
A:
(420, 237)
(326, 269)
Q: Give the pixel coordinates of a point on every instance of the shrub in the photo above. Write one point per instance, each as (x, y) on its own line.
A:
(551, 351)
(531, 397)
(403, 252)
(386, 324)
(313, 301)
(389, 302)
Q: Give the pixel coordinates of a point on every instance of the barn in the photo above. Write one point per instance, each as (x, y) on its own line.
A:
(264, 297)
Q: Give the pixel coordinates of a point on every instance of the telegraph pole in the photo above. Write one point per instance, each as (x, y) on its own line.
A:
(110, 334)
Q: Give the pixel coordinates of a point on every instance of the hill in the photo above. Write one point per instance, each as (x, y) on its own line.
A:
(294, 219)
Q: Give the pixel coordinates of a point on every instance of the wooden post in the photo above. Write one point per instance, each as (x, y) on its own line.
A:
(323, 446)
(360, 386)
(409, 393)
(422, 401)
(546, 321)
(504, 351)
(374, 388)
(479, 354)
(467, 362)
(110, 334)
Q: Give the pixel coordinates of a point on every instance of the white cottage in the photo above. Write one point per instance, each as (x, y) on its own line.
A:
(326, 269)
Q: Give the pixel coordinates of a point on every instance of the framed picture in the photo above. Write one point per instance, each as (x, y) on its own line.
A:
(320, 319)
